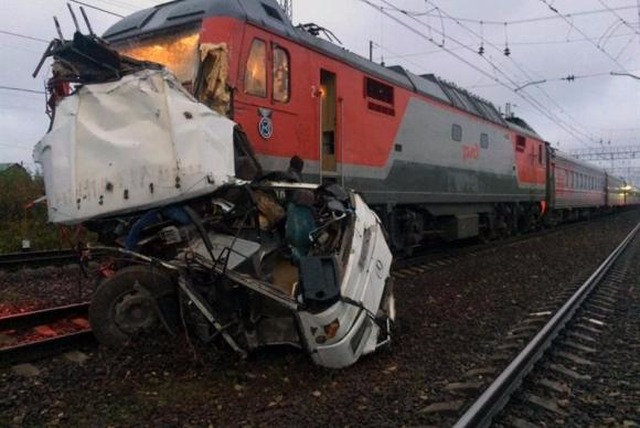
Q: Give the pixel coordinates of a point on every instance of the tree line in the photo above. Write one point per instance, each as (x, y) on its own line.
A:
(20, 220)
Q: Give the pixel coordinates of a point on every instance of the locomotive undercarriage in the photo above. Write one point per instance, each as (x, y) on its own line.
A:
(410, 226)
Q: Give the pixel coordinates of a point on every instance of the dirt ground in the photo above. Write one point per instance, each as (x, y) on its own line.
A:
(448, 322)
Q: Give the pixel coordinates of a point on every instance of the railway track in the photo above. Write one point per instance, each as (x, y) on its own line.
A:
(568, 335)
(34, 335)
(34, 259)
(434, 258)
(23, 343)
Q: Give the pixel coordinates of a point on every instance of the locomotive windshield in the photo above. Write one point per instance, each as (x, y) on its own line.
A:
(178, 51)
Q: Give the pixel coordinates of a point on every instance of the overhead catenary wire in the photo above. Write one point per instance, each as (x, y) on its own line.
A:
(511, 43)
(510, 84)
(530, 20)
(623, 21)
(532, 101)
(13, 88)
(599, 48)
(90, 6)
(24, 36)
(557, 79)
(531, 80)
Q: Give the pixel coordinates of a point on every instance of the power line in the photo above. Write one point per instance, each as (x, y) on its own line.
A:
(604, 51)
(530, 43)
(560, 42)
(529, 20)
(24, 36)
(532, 81)
(90, 6)
(618, 16)
(570, 78)
(116, 3)
(13, 88)
(532, 101)
(537, 105)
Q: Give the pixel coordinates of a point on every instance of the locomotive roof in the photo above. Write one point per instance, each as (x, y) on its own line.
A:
(520, 125)
(268, 14)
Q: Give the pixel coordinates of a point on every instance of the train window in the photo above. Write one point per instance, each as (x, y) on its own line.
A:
(177, 51)
(255, 77)
(378, 91)
(521, 143)
(280, 75)
(484, 141)
(456, 132)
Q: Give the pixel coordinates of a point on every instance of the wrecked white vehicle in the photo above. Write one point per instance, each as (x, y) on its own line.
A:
(206, 241)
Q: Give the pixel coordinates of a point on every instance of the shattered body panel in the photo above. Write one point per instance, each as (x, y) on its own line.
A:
(365, 276)
(135, 143)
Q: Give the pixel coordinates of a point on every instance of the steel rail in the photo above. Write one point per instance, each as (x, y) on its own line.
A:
(13, 261)
(493, 399)
(43, 316)
(31, 351)
(44, 347)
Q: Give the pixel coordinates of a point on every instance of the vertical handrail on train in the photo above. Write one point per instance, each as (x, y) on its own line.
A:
(320, 138)
(340, 140)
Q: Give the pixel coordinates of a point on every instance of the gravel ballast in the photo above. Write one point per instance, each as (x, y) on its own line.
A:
(449, 322)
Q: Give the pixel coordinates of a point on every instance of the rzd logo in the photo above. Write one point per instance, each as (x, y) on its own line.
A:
(470, 152)
(265, 124)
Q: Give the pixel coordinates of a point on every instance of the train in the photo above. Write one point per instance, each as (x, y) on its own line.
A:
(255, 180)
(431, 158)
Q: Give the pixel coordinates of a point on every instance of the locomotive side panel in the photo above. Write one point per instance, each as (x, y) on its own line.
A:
(426, 153)
(444, 156)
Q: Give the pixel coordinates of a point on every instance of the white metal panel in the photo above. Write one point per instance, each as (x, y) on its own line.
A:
(136, 143)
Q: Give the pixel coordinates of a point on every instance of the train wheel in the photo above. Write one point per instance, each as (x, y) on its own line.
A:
(128, 305)
(486, 231)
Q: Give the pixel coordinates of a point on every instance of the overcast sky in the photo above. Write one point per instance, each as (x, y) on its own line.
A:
(433, 36)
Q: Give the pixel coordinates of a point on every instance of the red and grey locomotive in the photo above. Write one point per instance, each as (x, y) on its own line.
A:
(430, 157)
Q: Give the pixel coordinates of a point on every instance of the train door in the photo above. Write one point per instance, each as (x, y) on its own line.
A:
(328, 125)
